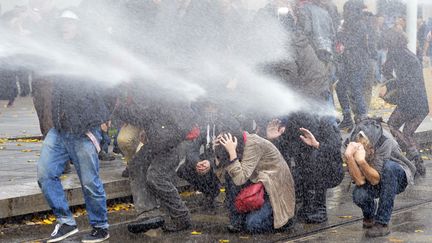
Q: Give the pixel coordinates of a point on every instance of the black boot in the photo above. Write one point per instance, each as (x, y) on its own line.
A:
(178, 224)
(347, 123)
(145, 223)
(314, 209)
(419, 164)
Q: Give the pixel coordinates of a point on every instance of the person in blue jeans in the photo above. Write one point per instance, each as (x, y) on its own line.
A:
(247, 158)
(258, 221)
(78, 114)
(379, 170)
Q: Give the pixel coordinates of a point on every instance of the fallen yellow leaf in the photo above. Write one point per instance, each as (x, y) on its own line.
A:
(395, 240)
(195, 233)
(63, 177)
(26, 150)
(224, 241)
(47, 221)
(419, 231)
(346, 217)
(222, 190)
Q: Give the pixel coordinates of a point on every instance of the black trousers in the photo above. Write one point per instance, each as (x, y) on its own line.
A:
(151, 178)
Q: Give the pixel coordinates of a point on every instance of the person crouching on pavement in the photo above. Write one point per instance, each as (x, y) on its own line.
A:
(78, 113)
(313, 143)
(249, 160)
(379, 170)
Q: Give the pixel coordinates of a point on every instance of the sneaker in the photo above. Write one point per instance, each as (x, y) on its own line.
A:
(378, 230)
(96, 235)
(61, 232)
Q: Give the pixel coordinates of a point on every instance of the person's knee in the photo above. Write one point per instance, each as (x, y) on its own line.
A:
(388, 170)
(360, 196)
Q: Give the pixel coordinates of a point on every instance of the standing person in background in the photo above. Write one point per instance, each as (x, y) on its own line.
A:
(13, 22)
(358, 48)
(41, 20)
(410, 95)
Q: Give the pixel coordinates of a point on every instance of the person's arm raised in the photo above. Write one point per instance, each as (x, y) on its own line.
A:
(353, 169)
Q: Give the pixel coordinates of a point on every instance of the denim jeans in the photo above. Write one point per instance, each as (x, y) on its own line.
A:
(393, 181)
(259, 221)
(105, 142)
(57, 149)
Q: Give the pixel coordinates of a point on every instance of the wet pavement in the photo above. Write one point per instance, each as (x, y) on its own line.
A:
(411, 220)
(20, 120)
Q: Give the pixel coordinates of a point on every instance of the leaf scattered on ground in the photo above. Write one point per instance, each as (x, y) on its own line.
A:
(195, 233)
(26, 150)
(120, 207)
(395, 240)
(346, 217)
(224, 241)
(419, 231)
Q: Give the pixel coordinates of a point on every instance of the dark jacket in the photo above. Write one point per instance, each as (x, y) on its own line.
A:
(321, 167)
(357, 37)
(410, 86)
(306, 74)
(317, 24)
(77, 104)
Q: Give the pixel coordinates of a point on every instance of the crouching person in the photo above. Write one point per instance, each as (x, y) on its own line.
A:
(153, 168)
(249, 160)
(313, 143)
(379, 170)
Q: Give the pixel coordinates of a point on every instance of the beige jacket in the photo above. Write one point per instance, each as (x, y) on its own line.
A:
(262, 162)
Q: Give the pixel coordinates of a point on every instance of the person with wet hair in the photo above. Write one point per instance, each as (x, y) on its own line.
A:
(311, 145)
(379, 170)
(409, 92)
(245, 159)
